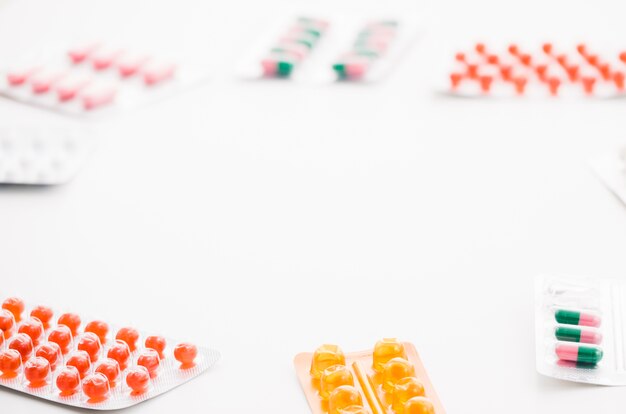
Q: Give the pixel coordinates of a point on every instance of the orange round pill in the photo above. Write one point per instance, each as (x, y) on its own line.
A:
(62, 336)
(44, 314)
(71, 320)
(10, 361)
(394, 371)
(36, 371)
(343, 397)
(149, 359)
(7, 322)
(404, 390)
(130, 336)
(22, 344)
(101, 329)
(185, 353)
(32, 327)
(80, 360)
(138, 379)
(326, 356)
(51, 352)
(157, 343)
(90, 343)
(68, 380)
(385, 350)
(15, 306)
(111, 369)
(96, 386)
(419, 405)
(1, 338)
(334, 377)
(120, 352)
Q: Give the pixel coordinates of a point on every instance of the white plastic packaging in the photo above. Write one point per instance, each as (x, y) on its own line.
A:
(611, 169)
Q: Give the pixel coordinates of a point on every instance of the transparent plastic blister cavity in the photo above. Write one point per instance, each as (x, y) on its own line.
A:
(88, 363)
(611, 169)
(40, 154)
(580, 329)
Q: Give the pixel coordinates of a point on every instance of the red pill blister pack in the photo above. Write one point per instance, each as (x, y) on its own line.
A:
(388, 379)
(541, 70)
(88, 363)
(94, 77)
(579, 329)
(611, 169)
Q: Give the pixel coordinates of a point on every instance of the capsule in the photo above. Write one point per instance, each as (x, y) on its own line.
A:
(385, 350)
(568, 317)
(334, 377)
(584, 354)
(395, 370)
(568, 334)
(326, 356)
(343, 397)
(419, 405)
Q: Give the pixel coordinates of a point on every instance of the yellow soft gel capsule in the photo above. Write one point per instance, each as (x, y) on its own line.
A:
(419, 405)
(386, 349)
(404, 390)
(396, 369)
(343, 397)
(334, 377)
(324, 357)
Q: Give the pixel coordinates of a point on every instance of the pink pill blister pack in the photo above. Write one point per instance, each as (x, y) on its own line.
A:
(580, 327)
(611, 169)
(94, 78)
(88, 363)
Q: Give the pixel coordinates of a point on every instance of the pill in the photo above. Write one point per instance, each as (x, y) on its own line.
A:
(51, 352)
(68, 87)
(103, 58)
(419, 405)
(36, 371)
(272, 67)
(472, 71)
(605, 70)
(405, 389)
(355, 409)
(90, 343)
(618, 79)
(542, 71)
(326, 356)
(520, 85)
(138, 379)
(593, 60)
(79, 53)
(455, 80)
(622, 57)
(98, 95)
(343, 397)
(547, 48)
(334, 377)
(568, 317)
(43, 81)
(71, 320)
(96, 387)
(562, 60)
(22, 344)
(506, 71)
(62, 336)
(149, 359)
(353, 70)
(582, 49)
(157, 343)
(128, 335)
(485, 83)
(583, 354)
(185, 353)
(15, 306)
(525, 59)
(44, 314)
(394, 370)
(154, 73)
(460, 57)
(120, 352)
(513, 49)
(553, 85)
(385, 350)
(577, 335)
(1, 338)
(111, 369)
(33, 328)
(101, 329)
(480, 48)
(130, 65)
(68, 381)
(7, 322)
(572, 72)
(493, 59)
(80, 360)
(10, 362)
(20, 76)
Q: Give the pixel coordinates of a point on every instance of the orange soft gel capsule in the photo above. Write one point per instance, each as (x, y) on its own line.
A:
(71, 320)
(343, 397)
(386, 349)
(7, 322)
(394, 370)
(149, 359)
(51, 352)
(68, 380)
(15, 306)
(22, 344)
(62, 336)
(101, 329)
(96, 387)
(157, 343)
(111, 369)
(44, 314)
(80, 360)
(185, 353)
(404, 390)
(324, 357)
(90, 343)
(130, 336)
(36, 371)
(10, 361)
(138, 379)
(32, 327)
(419, 405)
(334, 377)
(120, 352)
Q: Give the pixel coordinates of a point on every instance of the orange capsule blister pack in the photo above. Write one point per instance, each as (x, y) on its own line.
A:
(390, 379)
(89, 364)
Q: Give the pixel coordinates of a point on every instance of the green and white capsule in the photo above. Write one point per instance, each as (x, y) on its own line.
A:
(569, 334)
(568, 317)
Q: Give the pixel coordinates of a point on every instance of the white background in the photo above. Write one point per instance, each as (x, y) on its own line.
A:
(264, 219)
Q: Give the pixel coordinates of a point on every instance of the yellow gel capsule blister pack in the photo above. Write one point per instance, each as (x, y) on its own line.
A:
(389, 379)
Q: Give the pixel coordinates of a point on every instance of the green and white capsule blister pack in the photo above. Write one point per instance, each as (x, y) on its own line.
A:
(43, 155)
(580, 329)
(611, 169)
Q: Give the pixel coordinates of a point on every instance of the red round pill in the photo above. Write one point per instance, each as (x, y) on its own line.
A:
(149, 359)
(15, 306)
(99, 328)
(22, 344)
(185, 353)
(36, 371)
(71, 320)
(32, 327)
(130, 336)
(10, 361)
(138, 379)
(96, 386)
(68, 380)
(90, 343)
(157, 343)
(622, 57)
(1, 338)
(111, 369)
(120, 352)
(80, 360)
(7, 322)
(51, 352)
(62, 336)
(547, 48)
(44, 314)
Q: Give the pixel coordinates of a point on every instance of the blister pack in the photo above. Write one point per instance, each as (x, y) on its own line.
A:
(43, 154)
(579, 329)
(94, 77)
(541, 71)
(389, 379)
(56, 357)
(611, 168)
